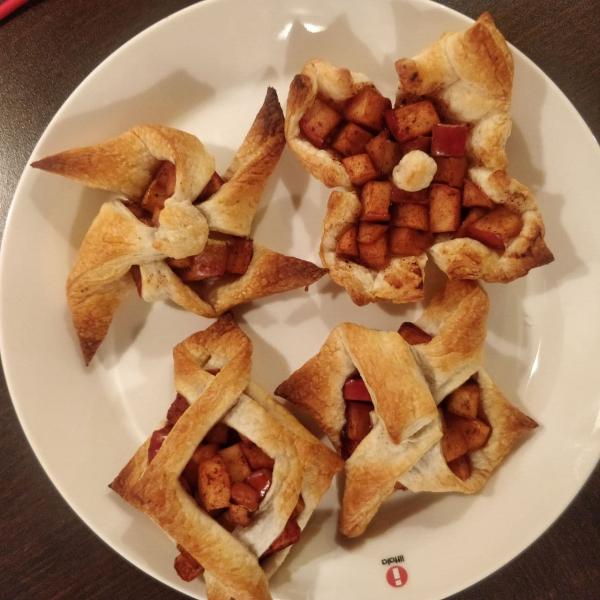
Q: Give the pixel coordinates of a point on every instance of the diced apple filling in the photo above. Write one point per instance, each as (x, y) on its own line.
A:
(228, 476)
(465, 426)
(371, 138)
(358, 414)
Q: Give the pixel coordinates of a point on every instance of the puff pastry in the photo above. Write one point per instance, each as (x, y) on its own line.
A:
(392, 433)
(376, 395)
(182, 230)
(216, 398)
(425, 176)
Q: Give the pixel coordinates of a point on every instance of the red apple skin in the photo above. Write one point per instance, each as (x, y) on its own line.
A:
(356, 390)
(448, 140)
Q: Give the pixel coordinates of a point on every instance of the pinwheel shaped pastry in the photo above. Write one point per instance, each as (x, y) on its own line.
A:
(232, 477)
(369, 392)
(182, 232)
(426, 175)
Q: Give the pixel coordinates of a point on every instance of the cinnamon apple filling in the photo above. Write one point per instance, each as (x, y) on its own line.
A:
(227, 255)
(466, 427)
(358, 414)
(409, 167)
(228, 476)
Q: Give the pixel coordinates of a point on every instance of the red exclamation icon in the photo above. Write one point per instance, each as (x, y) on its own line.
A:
(396, 576)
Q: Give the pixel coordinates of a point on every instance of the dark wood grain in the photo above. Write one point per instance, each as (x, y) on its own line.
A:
(46, 49)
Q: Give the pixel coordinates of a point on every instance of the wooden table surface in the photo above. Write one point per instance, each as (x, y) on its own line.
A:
(46, 49)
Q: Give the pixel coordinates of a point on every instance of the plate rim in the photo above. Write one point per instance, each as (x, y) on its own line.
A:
(8, 229)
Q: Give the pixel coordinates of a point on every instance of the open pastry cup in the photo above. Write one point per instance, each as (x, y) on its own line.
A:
(182, 230)
(233, 535)
(425, 176)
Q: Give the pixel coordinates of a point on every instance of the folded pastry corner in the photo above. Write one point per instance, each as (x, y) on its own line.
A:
(182, 231)
(232, 477)
(365, 390)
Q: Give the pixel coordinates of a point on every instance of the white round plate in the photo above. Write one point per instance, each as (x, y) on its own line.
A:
(205, 70)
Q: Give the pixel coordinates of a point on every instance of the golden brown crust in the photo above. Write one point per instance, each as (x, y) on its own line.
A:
(117, 240)
(469, 75)
(233, 207)
(319, 77)
(466, 258)
(509, 425)
(302, 464)
(457, 318)
(401, 281)
(403, 414)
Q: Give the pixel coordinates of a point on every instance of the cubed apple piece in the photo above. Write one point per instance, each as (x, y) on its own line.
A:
(374, 255)
(422, 143)
(260, 480)
(414, 335)
(214, 185)
(235, 516)
(444, 208)
(384, 153)
(218, 434)
(156, 441)
(212, 262)
(464, 400)
(367, 108)
(235, 460)
(161, 187)
(300, 506)
(454, 444)
(376, 197)
(448, 140)
(418, 197)
(347, 245)
(351, 139)
(201, 453)
(473, 195)
(415, 216)
(290, 535)
(451, 170)
(358, 420)
(187, 567)
(496, 228)
(405, 241)
(355, 389)
(318, 122)
(370, 232)
(461, 467)
(214, 485)
(473, 215)
(239, 255)
(256, 457)
(245, 495)
(360, 169)
(474, 432)
(177, 408)
(412, 120)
